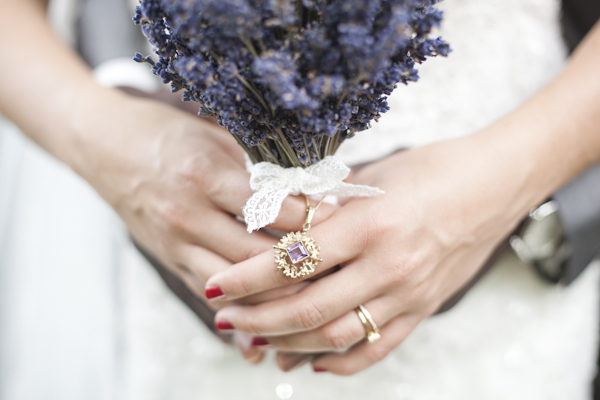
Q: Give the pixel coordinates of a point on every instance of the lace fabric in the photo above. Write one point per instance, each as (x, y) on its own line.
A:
(272, 184)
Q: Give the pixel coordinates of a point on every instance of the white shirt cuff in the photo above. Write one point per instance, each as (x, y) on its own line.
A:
(126, 72)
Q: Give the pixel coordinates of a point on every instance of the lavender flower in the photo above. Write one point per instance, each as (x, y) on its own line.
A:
(290, 79)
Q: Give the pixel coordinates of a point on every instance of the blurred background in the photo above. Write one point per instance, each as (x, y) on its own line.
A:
(54, 320)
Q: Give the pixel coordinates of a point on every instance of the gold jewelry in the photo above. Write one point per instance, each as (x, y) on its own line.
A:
(371, 328)
(297, 254)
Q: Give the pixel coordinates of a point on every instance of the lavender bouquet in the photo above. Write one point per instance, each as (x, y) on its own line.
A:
(290, 79)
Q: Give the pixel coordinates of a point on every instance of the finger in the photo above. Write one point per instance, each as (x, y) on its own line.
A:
(366, 354)
(251, 353)
(193, 265)
(319, 303)
(196, 264)
(340, 333)
(231, 190)
(200, 262)
(293, 214)
(193, 283)
(234, 190)
(257, 358)
(273, 294)
(228, 237)
(290, 361)
(260, 273)
(225, 140)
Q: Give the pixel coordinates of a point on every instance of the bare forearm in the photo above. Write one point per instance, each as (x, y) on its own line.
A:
(46, 88)
(555, 135)
(568, 114)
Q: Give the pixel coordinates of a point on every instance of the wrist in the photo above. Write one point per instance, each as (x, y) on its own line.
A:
(91, 127)
(532, 155)
(554, 136)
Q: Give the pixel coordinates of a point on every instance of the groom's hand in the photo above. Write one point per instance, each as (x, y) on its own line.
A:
(402, 254)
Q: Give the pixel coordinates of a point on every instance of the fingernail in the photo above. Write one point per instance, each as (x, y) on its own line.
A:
(213, 292)
(319, 369)
(260, 341)
(225, 326)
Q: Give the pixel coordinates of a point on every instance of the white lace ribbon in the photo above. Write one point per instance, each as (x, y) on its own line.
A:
(272, 184)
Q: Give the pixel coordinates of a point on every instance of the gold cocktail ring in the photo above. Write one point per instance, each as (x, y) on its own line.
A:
(371, 328)
(297, 254)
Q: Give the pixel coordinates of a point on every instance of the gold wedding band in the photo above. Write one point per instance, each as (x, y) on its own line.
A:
(371, 328)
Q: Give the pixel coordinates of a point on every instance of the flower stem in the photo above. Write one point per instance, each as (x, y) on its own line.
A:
(288, 149)
(254, 91)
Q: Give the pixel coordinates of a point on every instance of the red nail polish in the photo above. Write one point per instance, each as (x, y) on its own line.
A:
(225, 326)
(213, 291)
(319, 369)
(259, 341)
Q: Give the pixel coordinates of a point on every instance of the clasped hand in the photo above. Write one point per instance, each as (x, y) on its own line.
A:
(179, 183)
(401, 255)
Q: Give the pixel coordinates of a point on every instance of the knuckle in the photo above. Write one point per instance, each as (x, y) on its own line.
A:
(335, 338)
(379, 222)
(397, 272)
(195, 170)
(173, 216)
(404, 267)
(309, 316)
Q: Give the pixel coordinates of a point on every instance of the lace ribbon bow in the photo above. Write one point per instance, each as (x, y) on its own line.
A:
(272, 184)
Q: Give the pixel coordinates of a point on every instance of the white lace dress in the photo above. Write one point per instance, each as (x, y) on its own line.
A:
(84, 316)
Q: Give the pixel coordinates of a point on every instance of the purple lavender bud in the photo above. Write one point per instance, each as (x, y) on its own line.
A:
(293, 77)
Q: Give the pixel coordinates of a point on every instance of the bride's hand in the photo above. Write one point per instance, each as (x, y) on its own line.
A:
(446, 206)
(178, 183)
(402, 254)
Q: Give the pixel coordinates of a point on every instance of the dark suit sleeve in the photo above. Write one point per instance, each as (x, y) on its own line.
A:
(578, 17)
(580, 199)
(579, 211)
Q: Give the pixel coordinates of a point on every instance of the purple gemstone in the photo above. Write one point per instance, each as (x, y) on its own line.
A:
(297, 252)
